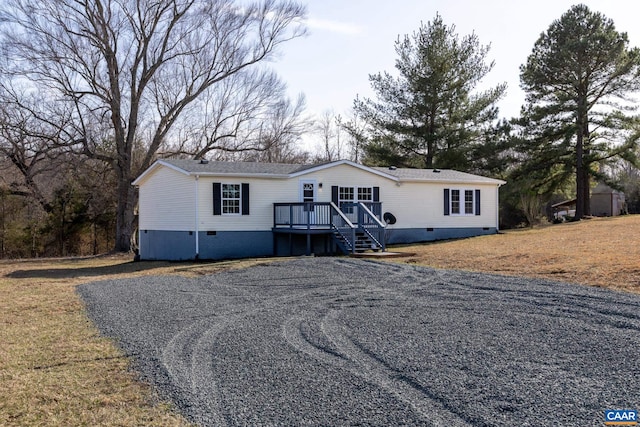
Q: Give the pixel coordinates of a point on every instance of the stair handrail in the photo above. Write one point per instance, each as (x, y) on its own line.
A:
(372, 215)
(353, 228)
(344, 217)
(379, 223)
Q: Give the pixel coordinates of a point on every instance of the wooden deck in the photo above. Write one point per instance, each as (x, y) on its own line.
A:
(355, 227)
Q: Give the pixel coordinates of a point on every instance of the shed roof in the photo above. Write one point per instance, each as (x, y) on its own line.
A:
(564, 204)
(603, 188)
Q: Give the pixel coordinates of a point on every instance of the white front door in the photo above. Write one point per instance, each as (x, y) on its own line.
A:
(308, 197)
(307, 191)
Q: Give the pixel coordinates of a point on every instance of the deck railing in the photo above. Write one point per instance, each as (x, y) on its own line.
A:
(344, 228)
(370, 223)
(302, 215)
(345, 222)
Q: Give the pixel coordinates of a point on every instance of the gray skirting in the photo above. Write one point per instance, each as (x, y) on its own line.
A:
(181, 245)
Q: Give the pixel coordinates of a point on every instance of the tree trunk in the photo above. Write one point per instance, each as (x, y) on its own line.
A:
(127, 198)
(586, 187)
(430, 141)
(586, 195)
(580, 176)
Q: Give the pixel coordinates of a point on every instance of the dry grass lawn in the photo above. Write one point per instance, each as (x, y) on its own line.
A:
(56, 370)
(601, 252)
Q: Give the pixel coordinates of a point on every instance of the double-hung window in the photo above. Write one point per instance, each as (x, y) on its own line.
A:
(461, 201)
(231, 199)
(455, 202)
(468, 202)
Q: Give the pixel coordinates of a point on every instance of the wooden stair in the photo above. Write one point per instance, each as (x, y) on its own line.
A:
(362, 243)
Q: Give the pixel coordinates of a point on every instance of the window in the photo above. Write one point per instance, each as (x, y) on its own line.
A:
(346, 195)
(468, 202)
(341, 195)
(455, 202)
(461, 202)
(231, 199)
(365, 194)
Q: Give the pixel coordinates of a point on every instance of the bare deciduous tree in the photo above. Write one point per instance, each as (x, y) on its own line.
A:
(247, 116)
(282, 128)
(31, 141)
(329, 130)
(129, 70)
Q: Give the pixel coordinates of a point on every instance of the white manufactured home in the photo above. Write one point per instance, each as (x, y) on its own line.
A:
(191, 209)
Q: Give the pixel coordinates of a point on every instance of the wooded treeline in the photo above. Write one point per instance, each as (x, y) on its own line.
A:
(93, 91)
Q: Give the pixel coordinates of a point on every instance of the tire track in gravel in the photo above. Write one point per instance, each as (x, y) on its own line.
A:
(354, 359)
(346, 354)
(437, 347)
(187, 357)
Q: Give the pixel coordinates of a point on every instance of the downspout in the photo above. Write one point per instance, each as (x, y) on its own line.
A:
(196, 224)
(498, 208)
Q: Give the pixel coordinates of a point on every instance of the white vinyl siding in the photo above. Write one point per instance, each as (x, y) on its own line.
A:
(166, 202)
(167, 199)
(420, 205)
(263, 193)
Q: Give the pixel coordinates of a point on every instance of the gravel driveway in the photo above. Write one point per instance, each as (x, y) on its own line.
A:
(338, 341)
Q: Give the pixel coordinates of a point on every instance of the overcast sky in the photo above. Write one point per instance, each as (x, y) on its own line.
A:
(350, 39)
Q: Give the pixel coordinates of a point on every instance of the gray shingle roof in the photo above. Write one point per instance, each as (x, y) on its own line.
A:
(286, 169)
(442, 175)
(248, 168)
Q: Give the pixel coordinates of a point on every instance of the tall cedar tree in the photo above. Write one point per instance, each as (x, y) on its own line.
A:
(429, 116)
(578, 80)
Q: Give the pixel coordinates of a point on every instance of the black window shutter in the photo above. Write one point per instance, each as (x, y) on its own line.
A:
(446, 201)
(477, 202)
(245, 199)
(334, 194)
(376, 194)
(217, 198)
